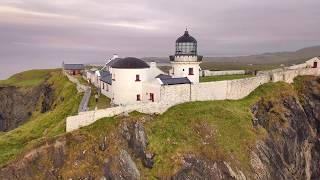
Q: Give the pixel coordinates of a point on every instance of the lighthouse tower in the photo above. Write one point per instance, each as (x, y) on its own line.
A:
(186, 62)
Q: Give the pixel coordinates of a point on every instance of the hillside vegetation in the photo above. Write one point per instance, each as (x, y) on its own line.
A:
(40, 126)
(195, 139)
(28, 78)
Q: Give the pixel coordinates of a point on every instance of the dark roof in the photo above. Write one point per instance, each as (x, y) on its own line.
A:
(112, 62)
(130, 63)
(173, 81)
(106, 77)
(73, 66)
(163, 76)
(186, 38)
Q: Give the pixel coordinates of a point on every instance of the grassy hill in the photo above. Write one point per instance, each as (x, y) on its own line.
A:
(40, 126)
(28, 78)
(217, 130)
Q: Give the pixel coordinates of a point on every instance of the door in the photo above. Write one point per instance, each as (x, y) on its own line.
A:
(151, 97)
(315, 64)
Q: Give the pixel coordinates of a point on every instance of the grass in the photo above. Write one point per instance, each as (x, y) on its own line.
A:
(224, 77)
(41, 126)
(28, 78)
(219, 130)
(237, 66)
(103, 101)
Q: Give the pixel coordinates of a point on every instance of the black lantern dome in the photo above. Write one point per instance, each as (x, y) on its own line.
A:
(186, 45)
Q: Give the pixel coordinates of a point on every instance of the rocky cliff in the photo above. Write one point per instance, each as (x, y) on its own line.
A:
(118, 148)
(18, 104)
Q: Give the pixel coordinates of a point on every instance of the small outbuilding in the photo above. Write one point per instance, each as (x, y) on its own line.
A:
(73, 69)
(313, 63)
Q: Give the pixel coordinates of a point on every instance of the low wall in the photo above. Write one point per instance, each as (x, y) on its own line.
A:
(177, 94)
(220, 73)
(89, 117)
(173, 94)
(288, 75)
(238, 89)
(209, 91)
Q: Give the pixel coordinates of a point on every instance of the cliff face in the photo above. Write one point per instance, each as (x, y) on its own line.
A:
(292, 147)
(118, 148)
(17, 105)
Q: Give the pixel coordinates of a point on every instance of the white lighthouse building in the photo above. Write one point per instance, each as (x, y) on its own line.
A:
(186, 62)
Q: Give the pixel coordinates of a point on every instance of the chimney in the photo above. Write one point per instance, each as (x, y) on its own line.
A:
(115, 56)
(153, 64)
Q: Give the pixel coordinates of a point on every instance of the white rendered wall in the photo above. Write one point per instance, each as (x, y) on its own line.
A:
(175, 94)
(154, 71)
(311, 61)
(107, 91)
(125, 88)
(209, 90)
(181, 69)
(240, 88)
(151, 87)
(298, 66)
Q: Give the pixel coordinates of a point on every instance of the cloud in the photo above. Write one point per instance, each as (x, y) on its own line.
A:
(149, 28)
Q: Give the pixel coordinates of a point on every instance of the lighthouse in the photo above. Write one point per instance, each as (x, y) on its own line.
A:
(186, 61)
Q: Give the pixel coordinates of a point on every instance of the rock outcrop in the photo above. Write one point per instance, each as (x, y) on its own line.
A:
(291, 149)
(33, 162)
(198, 168)
(121, 167)
(17, 105)
(137, 140)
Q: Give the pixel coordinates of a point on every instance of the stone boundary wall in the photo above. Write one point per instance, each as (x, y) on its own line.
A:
(177, 94)
(220, 73)
(89, 117)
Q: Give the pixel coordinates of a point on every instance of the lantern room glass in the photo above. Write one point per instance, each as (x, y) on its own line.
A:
(186, 48)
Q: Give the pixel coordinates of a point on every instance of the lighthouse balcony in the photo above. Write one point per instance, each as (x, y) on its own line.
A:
(191, 58)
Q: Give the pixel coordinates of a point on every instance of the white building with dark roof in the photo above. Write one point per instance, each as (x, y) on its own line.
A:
(131, 80)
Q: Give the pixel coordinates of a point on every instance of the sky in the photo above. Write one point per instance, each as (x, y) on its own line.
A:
(43, 33)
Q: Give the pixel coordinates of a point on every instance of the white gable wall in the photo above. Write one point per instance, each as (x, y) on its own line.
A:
(310, 63)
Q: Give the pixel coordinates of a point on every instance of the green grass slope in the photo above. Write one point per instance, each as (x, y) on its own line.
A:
(28, 78)
(41, 126)
(218, 130)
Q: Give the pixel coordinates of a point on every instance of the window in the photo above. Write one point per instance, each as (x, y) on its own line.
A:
(102, 85)
(138, 97)
(190, 71)
(107, 87)
(137, 77)
(113, 77)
